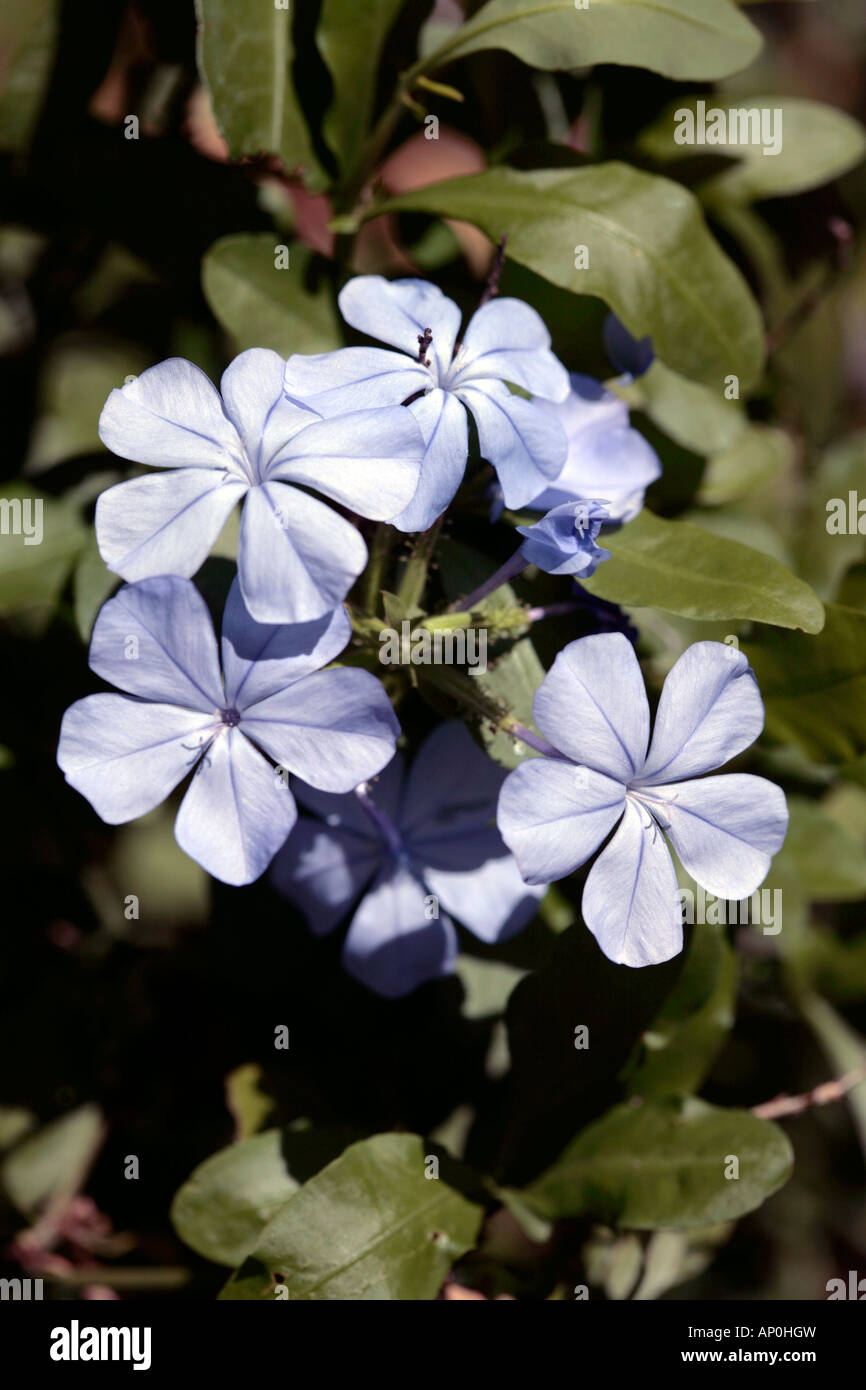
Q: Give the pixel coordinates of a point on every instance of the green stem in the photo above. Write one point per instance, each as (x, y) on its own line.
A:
(410, 590)
(380, 549)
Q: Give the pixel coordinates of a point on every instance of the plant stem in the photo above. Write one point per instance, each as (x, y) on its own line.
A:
(516, 565)
(414, 578)
(380, 549)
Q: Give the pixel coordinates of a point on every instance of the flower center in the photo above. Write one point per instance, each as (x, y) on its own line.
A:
(230, 718)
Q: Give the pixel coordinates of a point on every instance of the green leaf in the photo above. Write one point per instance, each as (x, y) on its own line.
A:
(572, 1026)
(245, 54)
(224, 1206)
(818, 143)
(247, 1103)
(684, 569)
(222, 1209)
(679, 38)
(370, 1226)
(845, 1050)
(263, 306)
(350, 39)
(814, 687)
(28, 34)
(679, 1046)
(650, 256)
(694, 416)
(822, 859)
(53, 1163)
(755, 458)
(487, 985)
(34, 571)
(92, 582)
(659, 1165)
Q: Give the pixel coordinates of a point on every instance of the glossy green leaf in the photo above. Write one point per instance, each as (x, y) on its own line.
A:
(369, 1226)
(814, 687)
(648, 253)
(685, 569)
(350, 38)
(224, 1206)
(655, 1165)
(245, 53)
(679, 38)
(262, 305)
(678, 1048)
(817, 143)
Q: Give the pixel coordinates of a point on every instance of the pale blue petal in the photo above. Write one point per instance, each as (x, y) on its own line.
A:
(297, 558)
(606, 458)
(155, 639)
(252, 389)
(489, 897)
(443, 424)
(553, 816)
(334, 729)
(397, 311)
(451, 789)
(324, 870)
(631, 901)
(508, 341)
(260, 659)
(236, 813)
(125, 756)
(346, 811)
(354, 378)
(724, 829)
(391, 946)
(170, 417)
(710, 710)
(592, 705)
(370, 461)
(164, 523)
(525, 444)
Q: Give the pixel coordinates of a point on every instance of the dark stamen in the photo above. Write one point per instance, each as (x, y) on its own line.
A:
(424, 341)
(491, 289)
(230, 717)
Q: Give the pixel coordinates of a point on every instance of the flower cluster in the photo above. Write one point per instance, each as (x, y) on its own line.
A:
(313, 448)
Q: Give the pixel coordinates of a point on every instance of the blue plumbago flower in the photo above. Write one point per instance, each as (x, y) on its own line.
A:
(297, 557)
(554, 812)
(564, 541)
(126, 753)
(606, 456)
(631, 356)
(413, 846)
(505, 340)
